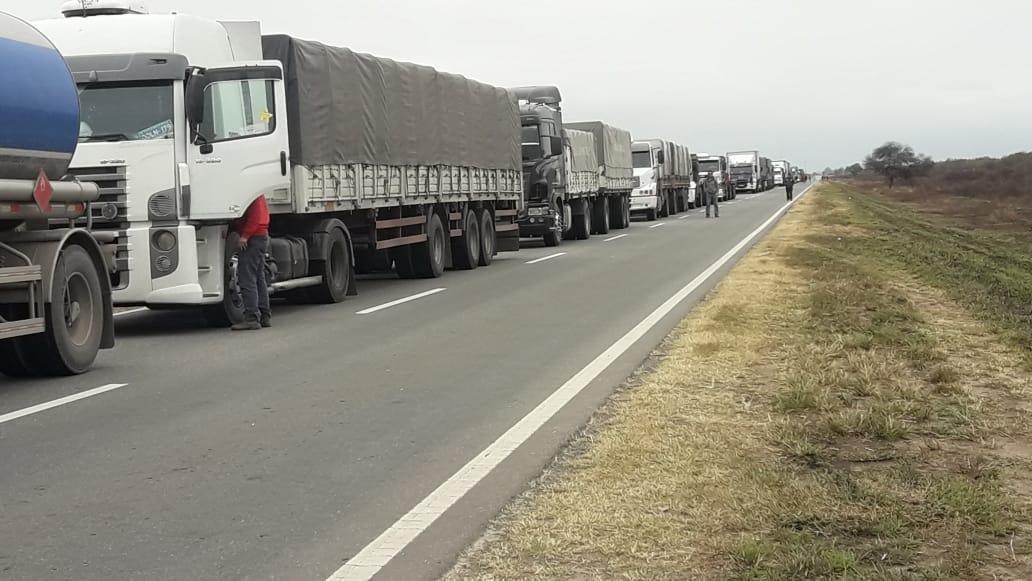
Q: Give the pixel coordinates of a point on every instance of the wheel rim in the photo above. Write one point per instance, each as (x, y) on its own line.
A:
(487, 239)
(78, 309)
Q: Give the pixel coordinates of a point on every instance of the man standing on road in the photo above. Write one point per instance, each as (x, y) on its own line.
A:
(709, 191)
(788, 188)
(253, 229)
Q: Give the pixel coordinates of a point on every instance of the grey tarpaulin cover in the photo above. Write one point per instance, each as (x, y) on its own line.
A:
(346, 107)
(582, 145)
(612, 147)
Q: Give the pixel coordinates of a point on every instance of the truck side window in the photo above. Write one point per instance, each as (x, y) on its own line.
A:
(238, 109)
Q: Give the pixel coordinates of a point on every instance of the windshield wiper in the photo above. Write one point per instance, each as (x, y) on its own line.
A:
(105, 137)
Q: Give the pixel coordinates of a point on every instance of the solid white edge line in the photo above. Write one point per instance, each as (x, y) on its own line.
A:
(8, 417)
(658, 225)
(374, 556)
(617, 237)
(130, 311)
(400, 301)
(549, 257)
(686, 216)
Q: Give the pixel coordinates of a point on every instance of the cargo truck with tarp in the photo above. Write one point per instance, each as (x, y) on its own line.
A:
(55, 296)
(367, 164)
(559, 202)
(664, 170)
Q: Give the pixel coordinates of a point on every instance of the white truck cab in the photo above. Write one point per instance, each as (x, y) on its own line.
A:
(648, 168)
(166, 196)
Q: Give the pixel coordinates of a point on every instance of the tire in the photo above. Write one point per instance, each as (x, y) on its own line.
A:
(402, 259)
(553, 239)
(428, 257)
(74, 316)
(230, 310)
(650, 215)
(488, 237)
(582, 222)
(600, 217)
(626, 212)
(335, 268)
(466, 248)
(619, 209)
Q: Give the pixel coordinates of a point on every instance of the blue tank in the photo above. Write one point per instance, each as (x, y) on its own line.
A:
(39, 104)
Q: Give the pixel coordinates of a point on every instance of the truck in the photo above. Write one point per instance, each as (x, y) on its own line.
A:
(746, 170)
(577, 177)
(367, 164)
(666, 185)
(55, 295)
(782, 171)
(716, 165)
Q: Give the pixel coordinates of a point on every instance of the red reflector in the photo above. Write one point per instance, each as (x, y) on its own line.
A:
(43, 192)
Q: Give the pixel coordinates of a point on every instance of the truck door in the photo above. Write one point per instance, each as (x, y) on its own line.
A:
(239, 144)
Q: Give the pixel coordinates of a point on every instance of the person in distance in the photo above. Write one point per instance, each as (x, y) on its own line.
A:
(253, 229)
(709, 192)
(788, 187)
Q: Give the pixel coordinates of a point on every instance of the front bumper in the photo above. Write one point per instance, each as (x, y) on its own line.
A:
(537, 225)
(644, 203)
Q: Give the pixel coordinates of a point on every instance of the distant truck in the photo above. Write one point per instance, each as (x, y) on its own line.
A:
(55, 296)
(666, 185)
(782, 171)
(577, 177)
(747, 170)
(367, 164)
(716, 165)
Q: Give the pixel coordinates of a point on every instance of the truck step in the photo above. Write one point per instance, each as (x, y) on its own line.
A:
(20, 274)
(22, 327)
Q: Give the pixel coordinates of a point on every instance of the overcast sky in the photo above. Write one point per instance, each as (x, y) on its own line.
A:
(817, 82)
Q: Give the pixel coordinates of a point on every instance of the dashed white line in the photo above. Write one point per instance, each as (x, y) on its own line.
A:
(686, 216)
(658, 225)
(374, 556)
(617, 237)
(544, 258)
(130, 312)
(400, 301)
(9, 417)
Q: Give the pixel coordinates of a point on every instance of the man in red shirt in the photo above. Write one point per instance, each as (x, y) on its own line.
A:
(253, 229)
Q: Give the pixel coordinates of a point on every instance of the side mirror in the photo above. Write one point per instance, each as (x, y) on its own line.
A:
(556, 144)
(660, 157)
(195, 98)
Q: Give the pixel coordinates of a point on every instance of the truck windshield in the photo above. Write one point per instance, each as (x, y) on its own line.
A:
(125, 111)
(642, 159)
(530, 139)
(709, 166)
(742, 169)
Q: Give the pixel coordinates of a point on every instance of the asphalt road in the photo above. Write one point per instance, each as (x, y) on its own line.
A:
(282, 453)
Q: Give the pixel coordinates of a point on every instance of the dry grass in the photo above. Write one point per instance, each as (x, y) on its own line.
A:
(820, 416)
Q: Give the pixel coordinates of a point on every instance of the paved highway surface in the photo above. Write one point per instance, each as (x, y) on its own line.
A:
(283, 453)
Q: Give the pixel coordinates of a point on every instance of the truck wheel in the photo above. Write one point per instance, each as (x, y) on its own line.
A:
(75, 319)
(335, 269)
(466, 248)
(488, 237)
(582, 222)
(428, 257)
(553, 238)
(230, 310)
(618, 210)
(600, 216)
(402, 258)
(650, 215)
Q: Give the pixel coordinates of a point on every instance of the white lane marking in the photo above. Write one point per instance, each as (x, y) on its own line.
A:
(685, 217)
(130, 311)
(374, 556)
(549, 257)
(400, 301)
(8, 417)
(658, 225)
(617, 237)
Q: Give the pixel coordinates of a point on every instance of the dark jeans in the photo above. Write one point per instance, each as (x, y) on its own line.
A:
(788, 192)
(254, 289)
(711, 200)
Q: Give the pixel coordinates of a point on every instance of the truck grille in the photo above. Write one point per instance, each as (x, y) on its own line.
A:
(110, 212)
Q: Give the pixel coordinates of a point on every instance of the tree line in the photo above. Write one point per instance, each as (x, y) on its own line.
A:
(893, 161)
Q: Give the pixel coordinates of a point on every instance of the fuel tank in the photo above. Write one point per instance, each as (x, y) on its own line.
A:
(39, 104)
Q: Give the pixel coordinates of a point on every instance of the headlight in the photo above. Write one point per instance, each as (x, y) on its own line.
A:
(164, 240)
(538, 211)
